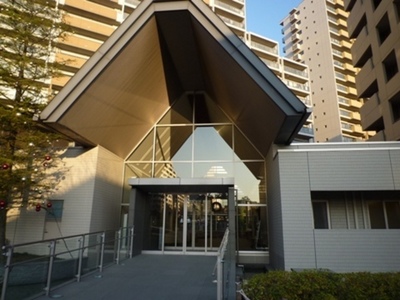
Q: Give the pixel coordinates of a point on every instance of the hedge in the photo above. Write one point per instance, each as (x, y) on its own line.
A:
(323, 285)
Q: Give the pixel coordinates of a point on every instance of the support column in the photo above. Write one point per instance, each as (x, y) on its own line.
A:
(230, 258)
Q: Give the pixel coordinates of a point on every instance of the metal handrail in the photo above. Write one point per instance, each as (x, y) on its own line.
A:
(219, 265)
(83, 245)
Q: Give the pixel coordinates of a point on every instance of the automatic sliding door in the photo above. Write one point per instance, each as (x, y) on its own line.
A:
(173, 228)
(217, 220)
(194, 222)
(196, 233)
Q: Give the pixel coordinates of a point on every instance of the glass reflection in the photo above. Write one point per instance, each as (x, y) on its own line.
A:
(196, 139)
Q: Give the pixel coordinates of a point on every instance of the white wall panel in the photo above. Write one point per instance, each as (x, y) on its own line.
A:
(358, 250)
(350, 170)
(395, 161)
(107, 192)
(296, 210)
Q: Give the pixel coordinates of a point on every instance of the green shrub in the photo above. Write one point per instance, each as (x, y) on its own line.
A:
(320, 285)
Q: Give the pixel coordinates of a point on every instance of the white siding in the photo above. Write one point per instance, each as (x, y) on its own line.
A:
(395, 161)
(316, 167)
(352, 170)
(296, 210)
(358, 250)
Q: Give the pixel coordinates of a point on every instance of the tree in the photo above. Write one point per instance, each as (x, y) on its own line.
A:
(29, 32)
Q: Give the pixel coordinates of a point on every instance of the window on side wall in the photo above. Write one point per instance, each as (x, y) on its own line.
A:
(321, 214)
(54, 213)
(384, 214)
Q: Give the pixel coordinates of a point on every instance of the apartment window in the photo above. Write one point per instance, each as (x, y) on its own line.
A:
(375, 3)
(390, 65)
(321, 214)
(55, 212)
(384, 214)
(395, 106)
(383, 28)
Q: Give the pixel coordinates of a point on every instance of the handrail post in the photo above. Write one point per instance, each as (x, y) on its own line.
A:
(50, 269)
(131, 242)
(103, 241)
(220, 279)
(80, 258)
(119, 234)
(9, 254)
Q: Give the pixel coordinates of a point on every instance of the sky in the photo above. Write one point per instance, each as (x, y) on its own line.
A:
(264, 16)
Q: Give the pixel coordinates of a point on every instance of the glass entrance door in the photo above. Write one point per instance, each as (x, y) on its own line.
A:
(194, 222)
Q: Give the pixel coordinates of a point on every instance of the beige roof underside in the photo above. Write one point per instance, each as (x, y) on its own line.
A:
(165, 49)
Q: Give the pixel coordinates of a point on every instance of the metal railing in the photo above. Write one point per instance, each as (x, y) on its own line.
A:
(37, 268)
(219, 267)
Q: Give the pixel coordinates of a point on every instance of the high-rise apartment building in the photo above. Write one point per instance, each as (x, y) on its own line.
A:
(93, 21)
(375, 26)
(315, 33)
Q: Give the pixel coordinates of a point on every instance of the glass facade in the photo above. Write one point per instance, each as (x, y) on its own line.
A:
(196, 139)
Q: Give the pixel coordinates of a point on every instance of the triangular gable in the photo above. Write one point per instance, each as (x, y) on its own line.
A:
(165, 49)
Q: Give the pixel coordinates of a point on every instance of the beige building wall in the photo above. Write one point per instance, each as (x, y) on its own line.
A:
(315, 33)
(375, 26)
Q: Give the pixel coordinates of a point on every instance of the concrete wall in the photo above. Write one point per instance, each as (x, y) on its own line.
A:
(107, 191)
(330, 167)
(90, 186)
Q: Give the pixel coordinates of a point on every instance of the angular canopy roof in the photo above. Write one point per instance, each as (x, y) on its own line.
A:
(163, 50)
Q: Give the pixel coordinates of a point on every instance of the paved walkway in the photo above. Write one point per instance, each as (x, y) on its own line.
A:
(147, 277)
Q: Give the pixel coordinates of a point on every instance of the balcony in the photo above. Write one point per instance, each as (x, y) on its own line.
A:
(264, 48)
(131, 3)
(294, 27)
(271, 64)
(296, 85)
(91, 8)
(230, 8)
(296, 47)
(307, 131)
(346, 126)
(365, 78)
(91, 28)
(370, 111)
(338, 64)
(295, 37)
(294, 71)
(293, 18)
(355, 17)
(349, 104)
(345, 44)
(360, 47)
(349, 115)
(342, 13)
(306, 101)
(232, 23)
(82, 43)
(71, 61)
(297, 57)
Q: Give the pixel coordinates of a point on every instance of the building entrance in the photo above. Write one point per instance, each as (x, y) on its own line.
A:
(194, 222)
(186, 222)
(182, 215)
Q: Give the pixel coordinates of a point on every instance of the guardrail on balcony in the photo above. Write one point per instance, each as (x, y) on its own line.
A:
(262, 47)
(36, 268)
